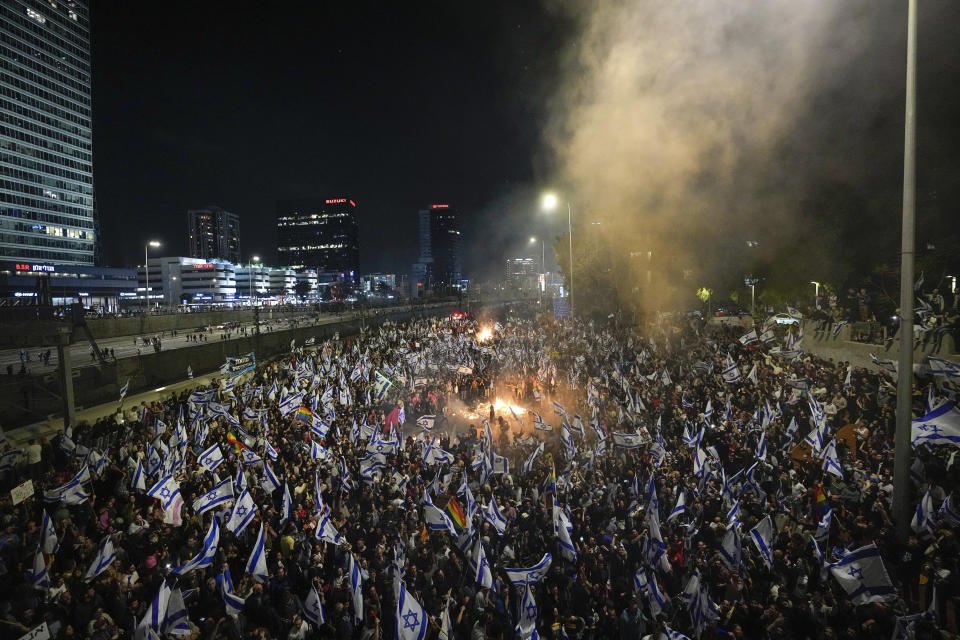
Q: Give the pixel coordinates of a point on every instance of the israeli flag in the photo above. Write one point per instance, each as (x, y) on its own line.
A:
(862, 575)
(730, 371)
(286, 507)
(211, 458)
(48, 536)
(940, 426)
(249, 456)
(356, 586)
(435, 519)
(940, 367)
(484, 576)
(761, 452)
(271, 452)
(924, 517)
(207, 553)
(530, 575)
(269, 482)
(313, 608)
(105, 556)
(627, 440)
(527, 626)
(39, 576)
(257, 562)
(762, 536)
(731, 551)
(166, 490)
(176, 621)
(318, 453)
(221, 493)
(558, 409)
(426, 422)
(242, 513)
(831, 462)
(491, 513)
(822, 535)
(123, 390)
(411, 620)
(680, 507)
(327, 532)
(562, 527)
(380, 385)
(528, 464)
(749, 337)
(539, 424)
(233, 604)
(566, 439)
(290, 404)
(701, 609)
(345, 481)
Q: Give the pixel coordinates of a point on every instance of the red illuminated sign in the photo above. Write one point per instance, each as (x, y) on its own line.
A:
(439, 206)
(352, 203)
(202, 266)
(336, 201)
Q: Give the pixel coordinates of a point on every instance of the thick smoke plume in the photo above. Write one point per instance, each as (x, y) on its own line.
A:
(676, 131)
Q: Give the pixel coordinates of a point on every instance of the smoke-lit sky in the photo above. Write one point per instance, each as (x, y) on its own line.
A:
(690, 123)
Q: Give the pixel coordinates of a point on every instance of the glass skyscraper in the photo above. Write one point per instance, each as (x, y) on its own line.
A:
(46, 162)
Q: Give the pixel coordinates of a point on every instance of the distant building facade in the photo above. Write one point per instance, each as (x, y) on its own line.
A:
(438, 267)
(47, 212)
(214, 234)
(321, 234)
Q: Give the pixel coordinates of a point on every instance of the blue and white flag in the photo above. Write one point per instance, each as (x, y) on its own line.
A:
(317, 452)
(749, 337)
(123, 390)
(862, 575)
(530, 575)
(426, 422)
(48, 535)
(218, 495)
(436, 519)
(327, 532)
(257, 562)
(761, 452)
(762, 536)
(831, 462)
(155, 615)
(242, 513)
(628, 440)
(730, 371)
(177, 621)
(211, 458)
(701, 609)
(290, 404)
(105, 556)
(940, 367)
(271, 452)
(313, 608)
(286, 506)
(528, 464)
(940, 426)
(527, 626)
(433, 454)
(491, 513)
(166, 490)
(566, 439)
(249, 456)
(680, 507)
(269, 481)
(207, 553)
(924, 517)
(380, 385)
(562, 527)
(484, 576)
(558, 409)
(39, 576)
(731, 551)
(233, 604)
(411, 620)
(539, 424)
(356, 586)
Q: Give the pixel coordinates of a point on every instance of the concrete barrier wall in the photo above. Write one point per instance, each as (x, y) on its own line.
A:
(27, 400)
(841, 347)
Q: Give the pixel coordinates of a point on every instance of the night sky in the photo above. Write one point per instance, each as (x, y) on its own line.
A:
(395, 105)
(400, 105)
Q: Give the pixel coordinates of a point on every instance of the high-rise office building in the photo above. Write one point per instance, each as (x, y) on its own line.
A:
(438, 266)
(214, 234)
(321, 234)
(46, 145)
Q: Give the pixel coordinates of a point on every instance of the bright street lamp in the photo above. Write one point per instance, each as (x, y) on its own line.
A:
(146, 270)
(254, 260)
(816, 293)
(549, 204)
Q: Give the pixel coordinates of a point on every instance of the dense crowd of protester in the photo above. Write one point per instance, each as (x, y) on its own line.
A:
(679, 477)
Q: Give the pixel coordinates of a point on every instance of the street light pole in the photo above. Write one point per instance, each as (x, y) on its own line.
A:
(146, 272)
(902, 461)
(570, 237)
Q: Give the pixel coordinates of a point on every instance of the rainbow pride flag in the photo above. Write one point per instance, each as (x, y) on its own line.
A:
(304, 413)
(823, 505)
(456, 514)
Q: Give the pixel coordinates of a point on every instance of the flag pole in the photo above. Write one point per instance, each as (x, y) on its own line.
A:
(902, 461)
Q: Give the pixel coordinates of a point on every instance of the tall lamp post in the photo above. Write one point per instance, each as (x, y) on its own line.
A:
(901, 465)
(543, 269)
(549, 204)
(146, 271)
(254, 260)
(816, 293)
